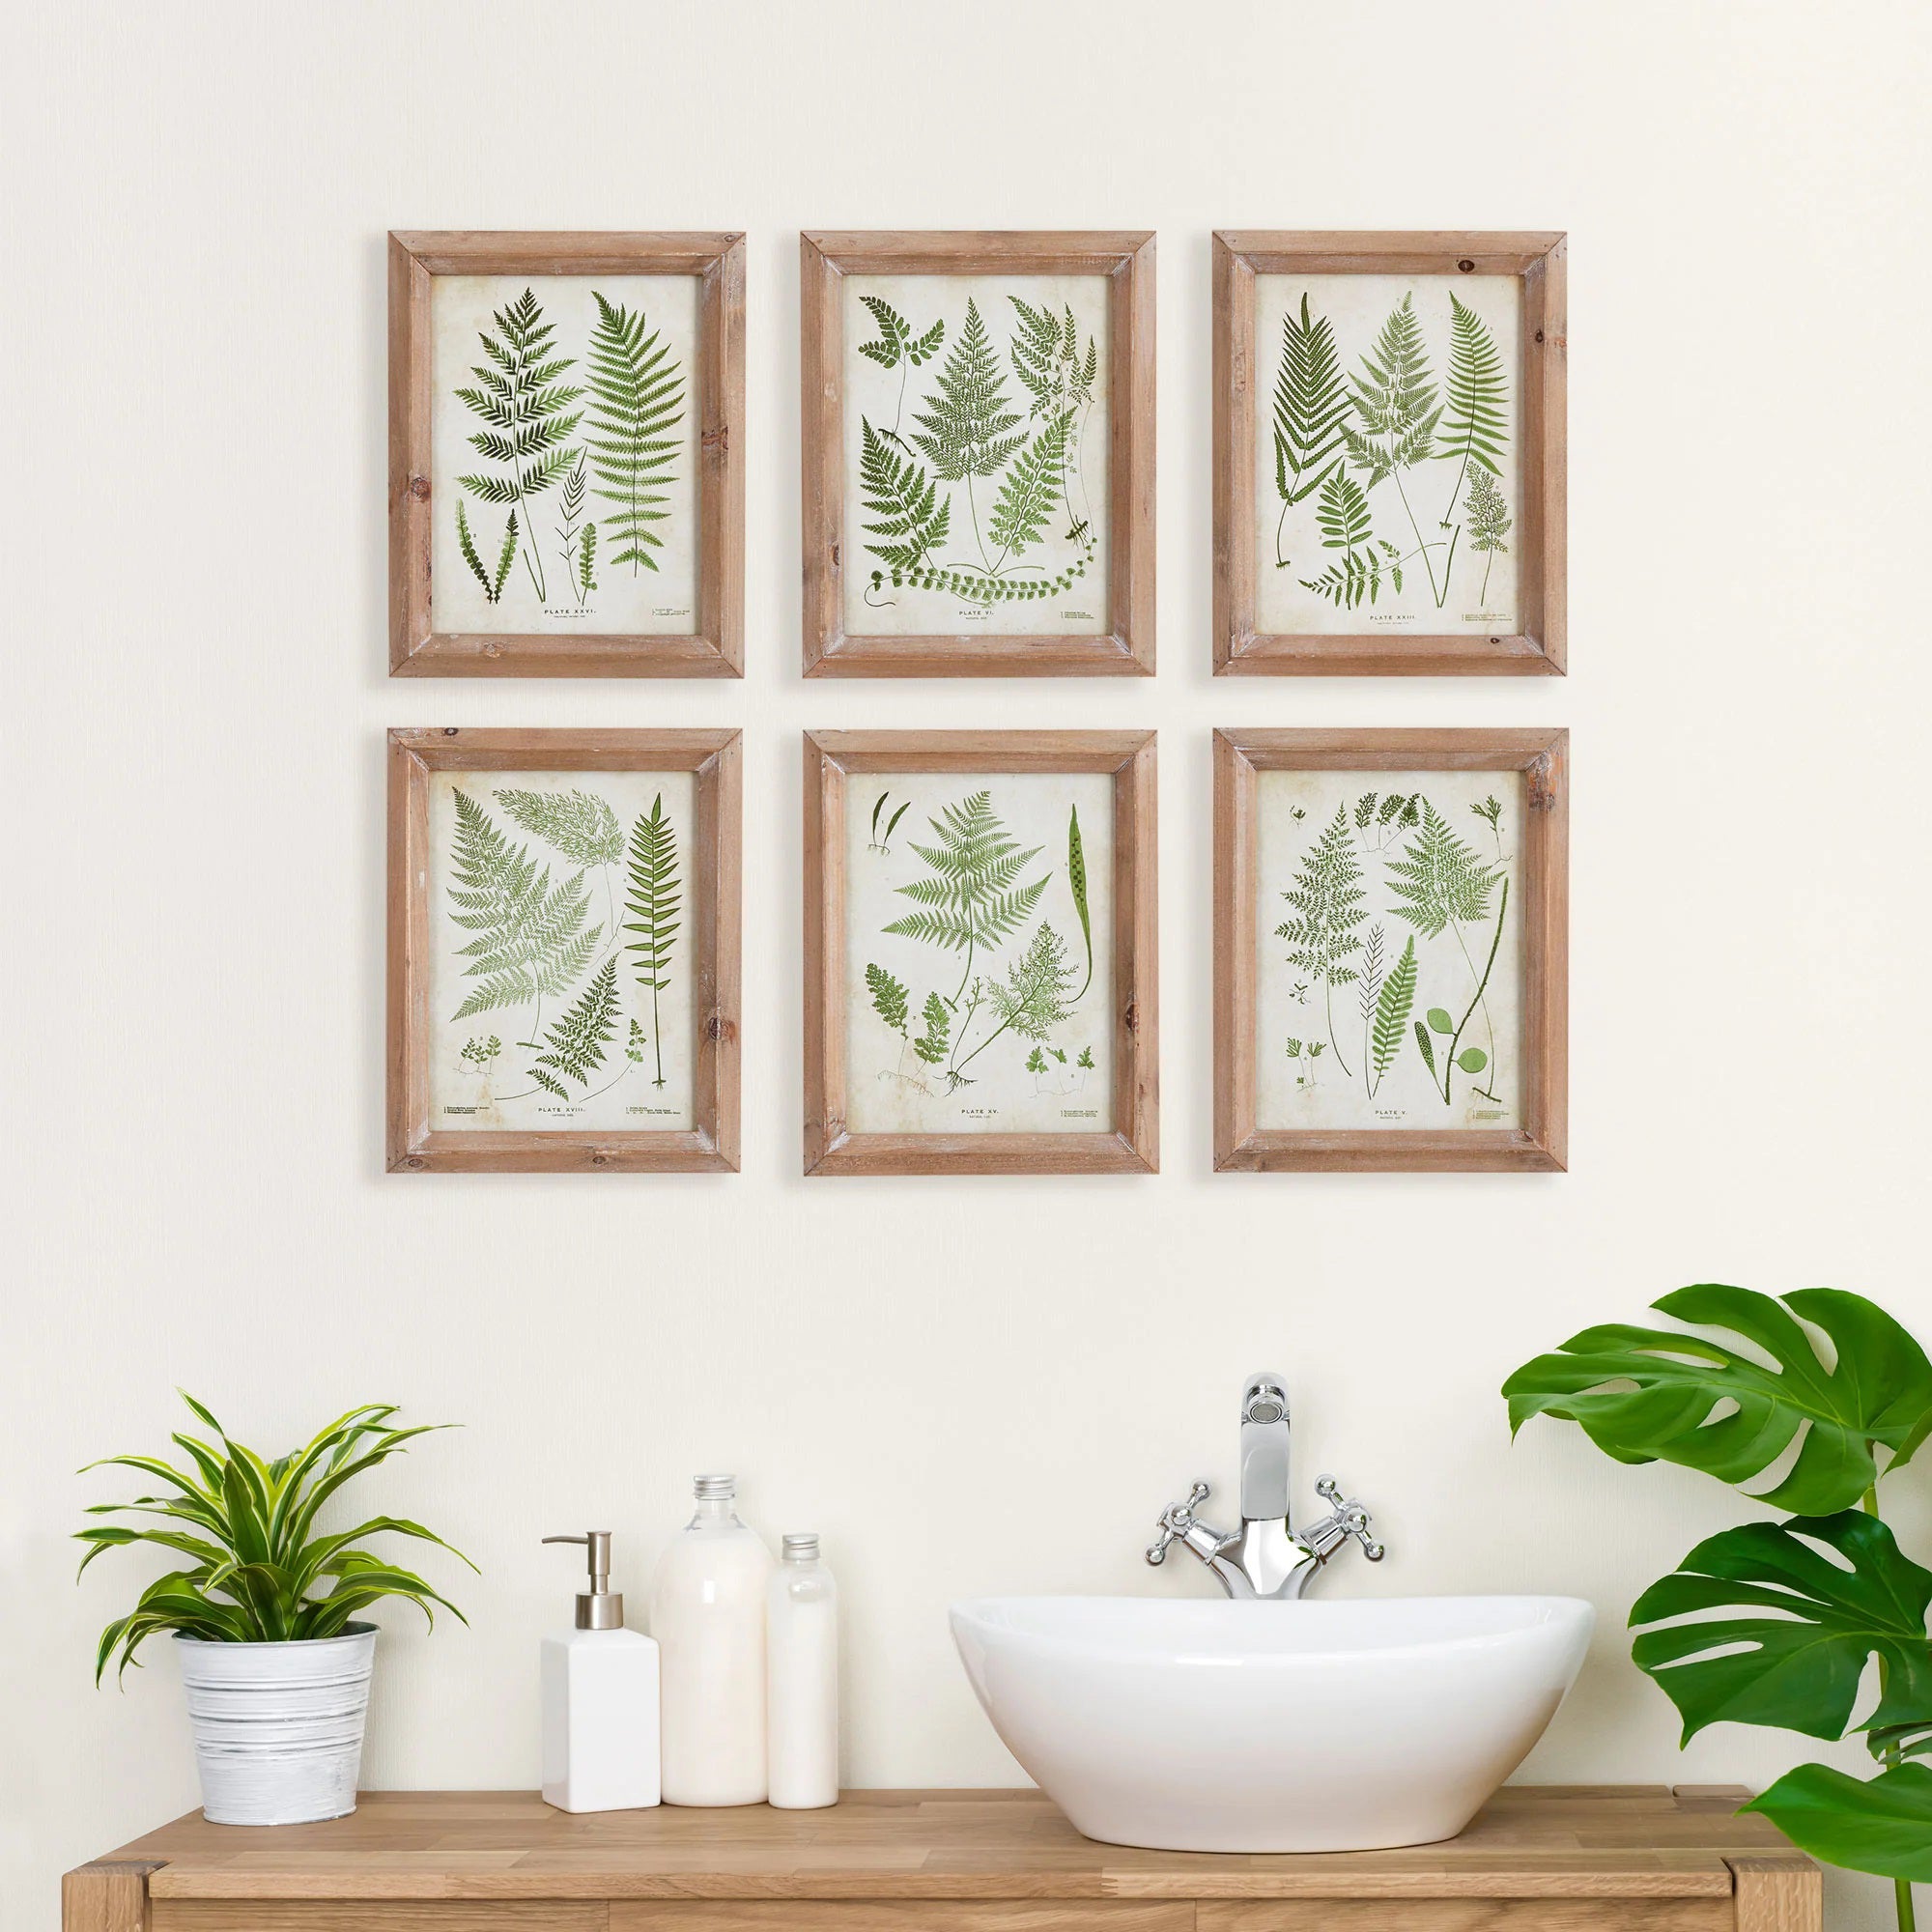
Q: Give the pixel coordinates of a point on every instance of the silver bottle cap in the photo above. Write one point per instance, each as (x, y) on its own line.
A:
(599, 1608)
(801, 1546)
(715, 1489)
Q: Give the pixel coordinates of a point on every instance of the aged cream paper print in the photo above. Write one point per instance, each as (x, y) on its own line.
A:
(979, 948)
(975, 451)
(567, 405)
(560, 950)
(1387, 445)
(1388, 941)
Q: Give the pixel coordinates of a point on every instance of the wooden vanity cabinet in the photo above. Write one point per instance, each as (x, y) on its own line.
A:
(1538, 1858)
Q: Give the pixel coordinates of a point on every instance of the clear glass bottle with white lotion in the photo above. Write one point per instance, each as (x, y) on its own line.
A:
(708, 1616)
(802, 1664)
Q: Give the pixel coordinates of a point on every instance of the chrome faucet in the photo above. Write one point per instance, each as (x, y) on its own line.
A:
(1267, 1558)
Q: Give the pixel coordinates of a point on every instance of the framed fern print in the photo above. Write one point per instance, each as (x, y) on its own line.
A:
(564, 950)
(1391, 950)
(979, 454)
(979, 953)
(566, 497)
(1389, 452)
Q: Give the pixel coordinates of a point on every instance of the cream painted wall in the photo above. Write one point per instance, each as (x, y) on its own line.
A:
(967, 1387)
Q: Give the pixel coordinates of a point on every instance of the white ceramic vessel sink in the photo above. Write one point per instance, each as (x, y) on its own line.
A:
(1270, 1726)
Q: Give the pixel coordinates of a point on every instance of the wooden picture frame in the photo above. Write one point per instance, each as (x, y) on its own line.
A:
(708, 939)
(713, 407)
(1125, 646)
(1244, 376)
(1130, 1143)
(1540, 1143)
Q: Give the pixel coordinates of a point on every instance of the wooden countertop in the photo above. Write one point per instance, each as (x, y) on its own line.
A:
(1626, 1842)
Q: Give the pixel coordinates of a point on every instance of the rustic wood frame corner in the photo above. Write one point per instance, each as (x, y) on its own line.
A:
(1127, 259)
(1539, 260)
(1133, 1146)
(1540, 1145)
(417, 648)
(713, 892)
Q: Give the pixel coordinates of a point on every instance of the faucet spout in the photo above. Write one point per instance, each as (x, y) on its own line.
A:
(1265, 1448)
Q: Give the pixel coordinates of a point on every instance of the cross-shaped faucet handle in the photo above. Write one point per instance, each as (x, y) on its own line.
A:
(1349, 1517)
(1177, 1519)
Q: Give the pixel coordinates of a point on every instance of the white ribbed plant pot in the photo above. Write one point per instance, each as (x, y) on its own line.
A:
(278, 1726)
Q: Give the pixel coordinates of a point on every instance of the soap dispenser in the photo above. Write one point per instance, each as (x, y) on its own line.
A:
(600, 1700)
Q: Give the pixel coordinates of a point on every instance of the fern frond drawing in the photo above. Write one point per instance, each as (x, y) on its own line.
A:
(1030, 489)
(1397, 404)
(1475, 422)
(898, 347)
(1327, 900)
(492, 586)
(966, 425)
(636, 391)
(652, 902)
(890, 998)
(1047, 359)
(911, 517)
(1311, 406)
(1341, 515)
(1076, 880)
(931, 1045)
(572, 531)
(1391, 1015)
(531, 940)
(882, 841)
(528, 413)
(579, 824)
(1490, 520)
(971, 898)
(577, 1040)
(1438, 881)
(1032, 1000)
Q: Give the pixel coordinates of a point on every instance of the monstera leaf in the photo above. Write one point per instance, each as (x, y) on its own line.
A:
(1648, 1394)
(1810, 1623)
(1883, 1826)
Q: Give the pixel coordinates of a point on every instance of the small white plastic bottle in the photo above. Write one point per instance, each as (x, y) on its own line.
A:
(802, 1675)
(600, 1700)
(708, 1615)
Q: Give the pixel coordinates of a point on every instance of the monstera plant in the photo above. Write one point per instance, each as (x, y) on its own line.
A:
(1773, 1623)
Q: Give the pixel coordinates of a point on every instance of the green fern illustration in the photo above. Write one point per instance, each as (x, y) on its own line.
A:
(890, 998)
(1327, 898)
(577, 1040)
(1475, 424)
(587, 560)
(1490, 520)
(1373, 970)
(969, 899)
(634, 1047)
(967, 423)
(527, 412)
(1030, 1000)
(1030, 489)
(1311, 406)
(531, 940)
(898, 347)
(492, 586)
(1395, 398)
(579, 824)
(1036, 1062)
(636, 392)
(1047, 358)
(1341, 515)
(1076, 879)
(653, 906)
(912, 517)
(931, 1045)
(1439, 881)
(1392, 1010)
(570, 508)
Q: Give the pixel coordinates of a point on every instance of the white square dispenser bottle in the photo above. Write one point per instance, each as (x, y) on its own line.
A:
(600, 1700)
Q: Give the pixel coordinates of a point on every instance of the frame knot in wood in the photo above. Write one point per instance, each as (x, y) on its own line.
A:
(717, 1028)
(1538, 777)
(419, 489)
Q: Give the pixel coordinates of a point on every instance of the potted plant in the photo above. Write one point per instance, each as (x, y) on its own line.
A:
(1771, 1623)
(275, 1666)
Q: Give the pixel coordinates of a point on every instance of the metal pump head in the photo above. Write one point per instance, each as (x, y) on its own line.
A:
(599, 1608)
